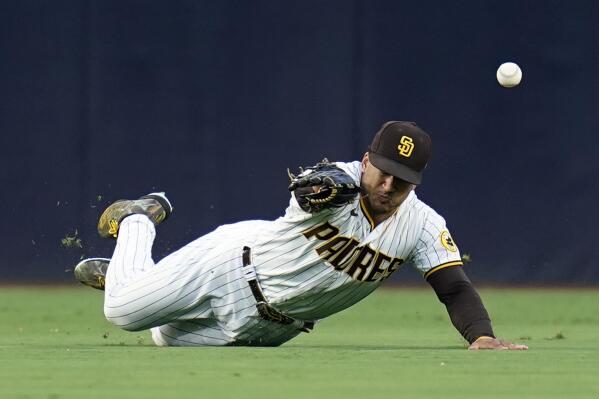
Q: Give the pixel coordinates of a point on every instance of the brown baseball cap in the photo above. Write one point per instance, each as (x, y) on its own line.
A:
(401, 149)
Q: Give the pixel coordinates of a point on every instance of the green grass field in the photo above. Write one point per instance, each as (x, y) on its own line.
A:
(55, 343)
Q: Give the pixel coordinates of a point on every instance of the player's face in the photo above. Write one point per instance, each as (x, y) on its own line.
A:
(385, 192)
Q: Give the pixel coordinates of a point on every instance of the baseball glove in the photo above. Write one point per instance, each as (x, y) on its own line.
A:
(322, 186)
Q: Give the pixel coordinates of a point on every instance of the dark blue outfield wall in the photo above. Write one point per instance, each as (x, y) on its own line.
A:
(211, 101)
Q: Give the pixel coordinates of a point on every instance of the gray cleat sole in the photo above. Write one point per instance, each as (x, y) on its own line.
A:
(92, 272)
(154, 205)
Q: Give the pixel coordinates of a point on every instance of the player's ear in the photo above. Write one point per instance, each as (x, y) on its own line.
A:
(365, 161)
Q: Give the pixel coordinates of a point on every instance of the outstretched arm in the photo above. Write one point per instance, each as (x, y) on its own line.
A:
(466, 309)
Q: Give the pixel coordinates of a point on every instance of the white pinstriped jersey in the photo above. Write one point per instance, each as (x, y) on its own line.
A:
(311, 266)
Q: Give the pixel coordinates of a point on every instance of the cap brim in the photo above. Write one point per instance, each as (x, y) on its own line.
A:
(395, 168)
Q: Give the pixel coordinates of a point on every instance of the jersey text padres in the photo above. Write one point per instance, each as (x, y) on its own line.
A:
(362, 263)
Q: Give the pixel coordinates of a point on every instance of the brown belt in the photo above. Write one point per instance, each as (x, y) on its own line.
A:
(266, 311)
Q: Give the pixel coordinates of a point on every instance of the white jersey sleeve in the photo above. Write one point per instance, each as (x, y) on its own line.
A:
(353, 169)
(435, 249)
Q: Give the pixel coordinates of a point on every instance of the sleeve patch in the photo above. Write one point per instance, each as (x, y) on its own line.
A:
(448, 242)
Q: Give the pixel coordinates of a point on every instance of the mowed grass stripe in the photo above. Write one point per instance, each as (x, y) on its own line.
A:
(55, 343)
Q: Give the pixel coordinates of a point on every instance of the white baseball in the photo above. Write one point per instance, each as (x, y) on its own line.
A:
(509, 74)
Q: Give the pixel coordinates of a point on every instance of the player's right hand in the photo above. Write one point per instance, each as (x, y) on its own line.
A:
(495, 343)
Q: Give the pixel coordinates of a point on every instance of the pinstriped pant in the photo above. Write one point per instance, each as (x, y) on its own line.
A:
(195, 296)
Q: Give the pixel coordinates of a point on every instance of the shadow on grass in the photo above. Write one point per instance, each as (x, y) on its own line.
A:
(279, 348)
(376, 348)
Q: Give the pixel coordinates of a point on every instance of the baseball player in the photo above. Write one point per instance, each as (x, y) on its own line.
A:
(347, 228)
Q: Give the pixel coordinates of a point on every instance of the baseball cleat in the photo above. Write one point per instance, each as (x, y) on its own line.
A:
(92, 272)
(155, 206)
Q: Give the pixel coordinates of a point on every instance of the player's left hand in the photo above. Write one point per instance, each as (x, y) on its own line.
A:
(322, 186)
(495, 343)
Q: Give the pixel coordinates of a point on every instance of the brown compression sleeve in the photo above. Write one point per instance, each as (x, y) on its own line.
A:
(465, 308)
